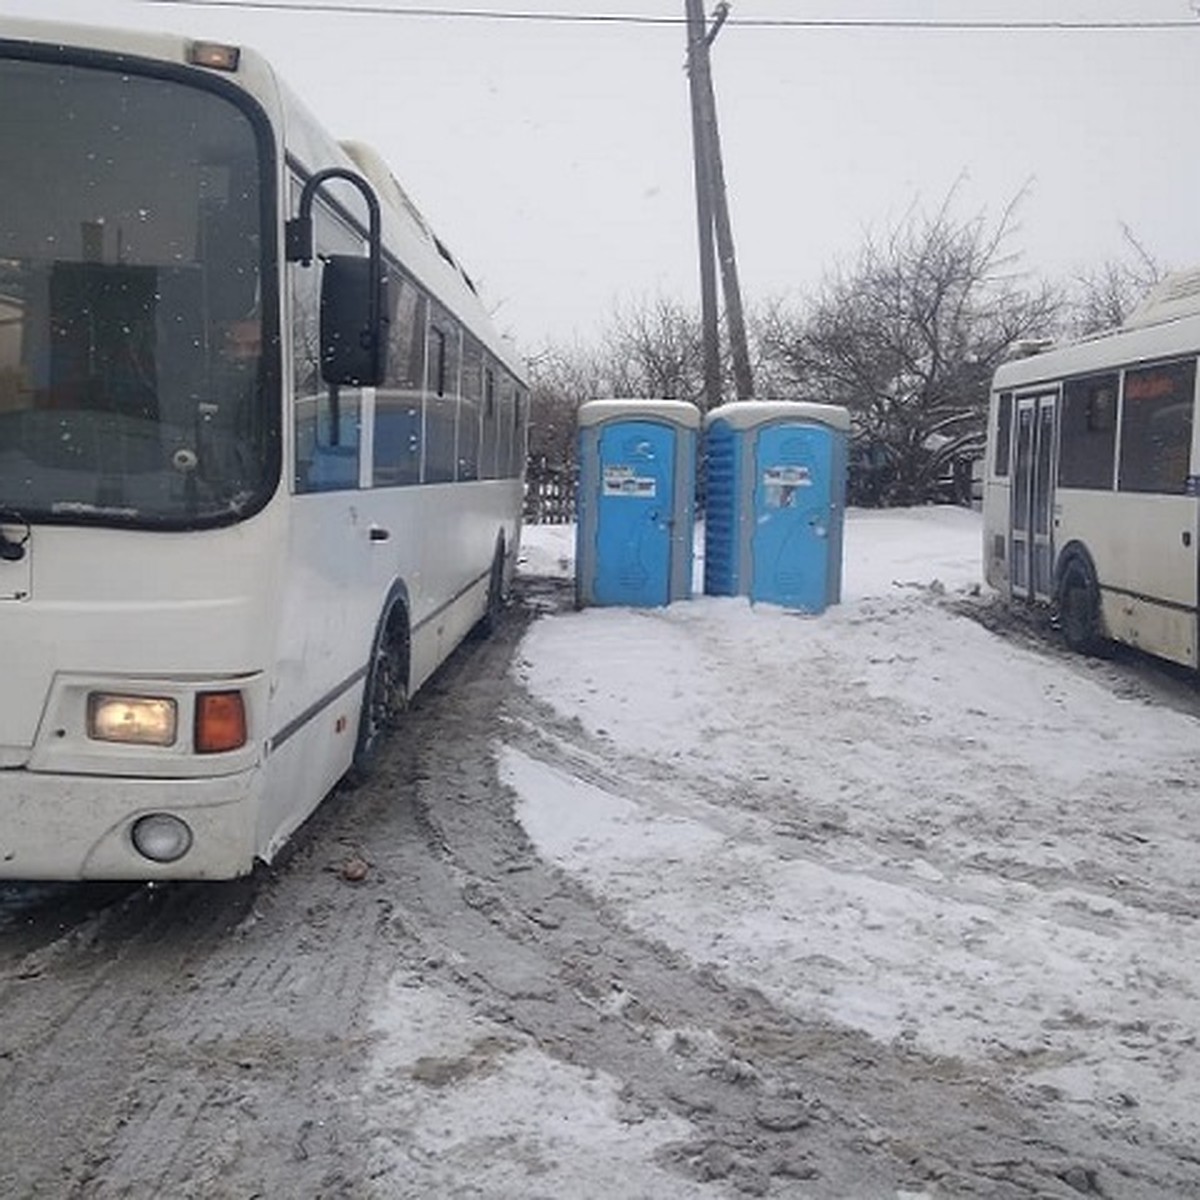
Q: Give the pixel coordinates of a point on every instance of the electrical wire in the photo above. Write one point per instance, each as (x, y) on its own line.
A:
(381, 10)
(567, 18)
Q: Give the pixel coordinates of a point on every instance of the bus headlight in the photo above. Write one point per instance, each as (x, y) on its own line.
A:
(141, 720)
(161, 837)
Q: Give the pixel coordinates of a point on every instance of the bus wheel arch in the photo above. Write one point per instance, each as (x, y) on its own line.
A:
(498, 589)
(1077, 598)
(386, 690)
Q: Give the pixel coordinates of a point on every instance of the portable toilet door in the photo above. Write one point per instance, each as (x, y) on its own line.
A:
(789, 501)
(794, 506)
(637, 475)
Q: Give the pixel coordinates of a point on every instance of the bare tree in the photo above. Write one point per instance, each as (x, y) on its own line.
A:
(773, 328)
(1103, 298)
(652, 350)
(655, 350)
(561, 379)
(908, 339)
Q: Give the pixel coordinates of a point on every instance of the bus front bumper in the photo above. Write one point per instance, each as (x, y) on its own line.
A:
(68, 827)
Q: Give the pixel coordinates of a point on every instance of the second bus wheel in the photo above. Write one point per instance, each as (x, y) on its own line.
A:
(385, 697)
(1079, 608)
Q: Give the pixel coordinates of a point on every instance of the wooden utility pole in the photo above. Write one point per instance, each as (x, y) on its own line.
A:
(709, 320)
(712, 211)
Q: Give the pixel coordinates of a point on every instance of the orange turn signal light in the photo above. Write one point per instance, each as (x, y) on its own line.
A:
(220, 722)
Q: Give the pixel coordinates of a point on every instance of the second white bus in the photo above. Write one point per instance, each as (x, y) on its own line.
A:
(1091, 488)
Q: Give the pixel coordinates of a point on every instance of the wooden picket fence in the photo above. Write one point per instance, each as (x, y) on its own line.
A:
(549, 495)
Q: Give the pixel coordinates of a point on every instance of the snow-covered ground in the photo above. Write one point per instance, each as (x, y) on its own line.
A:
(890, 818)
(885, 818)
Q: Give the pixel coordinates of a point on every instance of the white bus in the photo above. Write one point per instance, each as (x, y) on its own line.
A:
(261, 457)
(1091, 480)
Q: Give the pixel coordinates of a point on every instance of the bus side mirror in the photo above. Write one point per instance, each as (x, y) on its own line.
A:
(354, 307)
(353, 323)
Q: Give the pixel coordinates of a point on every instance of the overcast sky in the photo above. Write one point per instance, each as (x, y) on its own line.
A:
(554, 158)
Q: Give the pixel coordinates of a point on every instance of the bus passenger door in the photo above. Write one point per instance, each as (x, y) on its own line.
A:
(1031, 554)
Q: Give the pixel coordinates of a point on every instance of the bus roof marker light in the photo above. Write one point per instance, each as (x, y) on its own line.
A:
(215, 55)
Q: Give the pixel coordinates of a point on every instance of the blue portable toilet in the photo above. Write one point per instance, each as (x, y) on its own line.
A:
(776, 498)
(635, 510)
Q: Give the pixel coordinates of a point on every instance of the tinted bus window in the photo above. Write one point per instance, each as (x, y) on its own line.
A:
(491, 428)
(327, 418)
(1156, 428)
(507, 412)
(1088, 433)
(470, 409)
(519, 430)
(398, 403)
(441, 397)
(1003, 432)
(134, 357)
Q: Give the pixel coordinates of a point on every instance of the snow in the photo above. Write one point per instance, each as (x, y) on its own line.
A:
(885, 818)
(888, 817)
(468, 1099)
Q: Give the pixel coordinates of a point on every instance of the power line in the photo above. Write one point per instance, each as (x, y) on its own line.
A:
(381, 10)
(581, 18)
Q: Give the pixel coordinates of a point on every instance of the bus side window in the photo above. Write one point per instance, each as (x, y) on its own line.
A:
(1003, 432)
(441, 397)
(1156, 428)
(504, 448)
(327, 418)
(491, 431)
(398, 403)
(1089, 433)
(520, 430)
(470, 409)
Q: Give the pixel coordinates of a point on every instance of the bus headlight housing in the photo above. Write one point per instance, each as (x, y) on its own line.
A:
(136, 720)
(161, 838)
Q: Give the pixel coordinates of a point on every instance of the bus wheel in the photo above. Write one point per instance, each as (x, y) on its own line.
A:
(384, 699)
(1079, 608)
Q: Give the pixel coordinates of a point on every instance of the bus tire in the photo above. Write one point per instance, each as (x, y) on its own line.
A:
(497, 595)
(1079, 608)
(385, 696)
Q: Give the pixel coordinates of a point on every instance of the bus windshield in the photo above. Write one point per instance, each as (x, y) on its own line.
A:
(131, 310)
